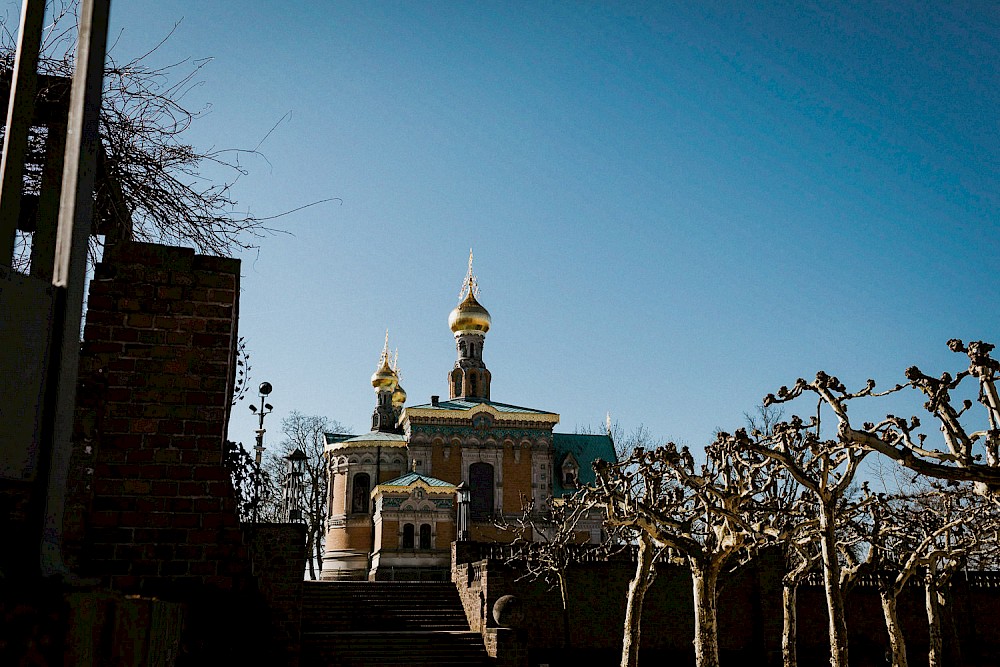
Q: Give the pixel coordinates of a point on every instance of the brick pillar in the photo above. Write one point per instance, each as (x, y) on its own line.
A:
(152, 509)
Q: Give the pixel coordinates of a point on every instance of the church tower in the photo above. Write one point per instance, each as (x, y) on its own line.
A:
(469, 321)
(389, 396)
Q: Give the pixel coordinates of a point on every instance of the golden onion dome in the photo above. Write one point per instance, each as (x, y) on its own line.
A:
(385, 377)
(469, 316)
(398, 395)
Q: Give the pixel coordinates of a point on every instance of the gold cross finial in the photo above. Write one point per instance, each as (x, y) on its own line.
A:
(384, 359)
(471, 284)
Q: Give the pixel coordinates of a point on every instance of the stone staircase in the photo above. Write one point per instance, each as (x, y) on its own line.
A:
(386, 624)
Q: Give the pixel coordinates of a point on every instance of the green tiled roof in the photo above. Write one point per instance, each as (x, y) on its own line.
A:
(468, 404)
(585, 448)
(413, 478)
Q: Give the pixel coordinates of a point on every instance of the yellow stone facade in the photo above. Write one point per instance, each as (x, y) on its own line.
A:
(392, 491)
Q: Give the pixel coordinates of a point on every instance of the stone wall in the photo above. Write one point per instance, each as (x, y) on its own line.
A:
(750, 616)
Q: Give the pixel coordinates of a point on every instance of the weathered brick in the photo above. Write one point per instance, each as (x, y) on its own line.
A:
(139, 320)
(192, 488)
(124, 334)
(177, 338)
(170, 292)
(151, 336)
(178, 472)
(214, 311)
(203, 568)
(210, 473)
(136, 486)
(179, 504)
(167, 456)
(210, 340)
(170, 568)
(143, 426)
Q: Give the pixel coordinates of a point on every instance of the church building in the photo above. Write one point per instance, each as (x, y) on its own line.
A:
(393, 509)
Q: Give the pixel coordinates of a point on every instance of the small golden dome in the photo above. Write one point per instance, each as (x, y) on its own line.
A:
(384, 377)
(398, 395)
(469, 316)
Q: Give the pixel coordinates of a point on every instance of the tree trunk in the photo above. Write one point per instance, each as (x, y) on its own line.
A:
(309, 555)
(896, 642)
(789, 638)
(564, 595)
(706, 635)
(933, 624)
(637, 588)
(831, 584)
(319, 556)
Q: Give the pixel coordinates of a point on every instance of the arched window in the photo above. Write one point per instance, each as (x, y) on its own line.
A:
(408, 536)
(481, 490)
(472, 383)
(425, 536)
(359, 497)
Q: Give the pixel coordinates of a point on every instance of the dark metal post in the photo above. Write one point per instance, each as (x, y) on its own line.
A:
(265, 409)
(76, 213)
(20, 110)
(463, 496)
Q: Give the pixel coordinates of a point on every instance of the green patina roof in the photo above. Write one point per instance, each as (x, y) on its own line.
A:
(414, 477)
(374, 436)
(333, 438)
(586, 448)
(468, 404)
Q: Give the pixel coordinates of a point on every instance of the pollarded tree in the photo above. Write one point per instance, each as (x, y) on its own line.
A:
(881, 533)
(966, 452)
(826, 470)
(705, 516)
(947, 528)
(926, 535)
(795, 532)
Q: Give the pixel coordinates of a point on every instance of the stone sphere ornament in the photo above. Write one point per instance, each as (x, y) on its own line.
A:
(508, 612)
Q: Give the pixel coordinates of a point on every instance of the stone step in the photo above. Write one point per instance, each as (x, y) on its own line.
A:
(354, 649)
(411, 624)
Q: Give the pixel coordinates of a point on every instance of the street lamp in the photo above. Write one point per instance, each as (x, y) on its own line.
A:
(265, 409)
(464, 495)
(292, 501)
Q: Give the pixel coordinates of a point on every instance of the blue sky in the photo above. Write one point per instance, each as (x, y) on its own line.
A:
(675, 207)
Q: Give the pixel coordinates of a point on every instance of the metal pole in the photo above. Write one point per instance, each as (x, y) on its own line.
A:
(76, 213)
(20, 110)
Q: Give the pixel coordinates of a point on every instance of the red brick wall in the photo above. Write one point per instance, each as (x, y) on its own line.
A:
(152, 509)
(279, 559)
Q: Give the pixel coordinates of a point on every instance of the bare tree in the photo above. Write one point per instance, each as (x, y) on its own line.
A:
(965, 452)
(547, 542)
(826, 469)
(703, 516)
(306, 433)
(795, 532)
(946, 528)
(153, 185)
